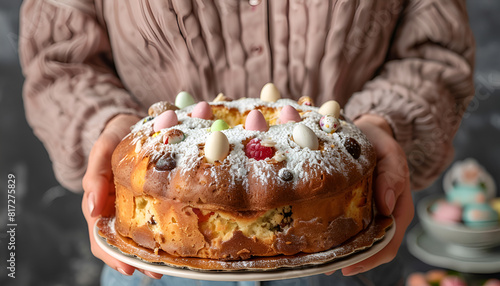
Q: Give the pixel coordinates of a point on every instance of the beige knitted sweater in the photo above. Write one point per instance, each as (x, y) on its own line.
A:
(86, 61)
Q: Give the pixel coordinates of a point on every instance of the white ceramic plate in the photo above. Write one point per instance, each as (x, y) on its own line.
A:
(437, 253)
(242, 275)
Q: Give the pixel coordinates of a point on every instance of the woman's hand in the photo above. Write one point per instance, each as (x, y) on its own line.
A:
(99, 197)
(391, 188)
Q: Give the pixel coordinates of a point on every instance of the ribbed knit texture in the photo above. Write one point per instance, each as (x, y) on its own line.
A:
(86, 61)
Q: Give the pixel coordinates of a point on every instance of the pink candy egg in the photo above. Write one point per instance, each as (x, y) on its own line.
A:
(255, 121)
(447, 212)
(165, 120)
(202, 110)
(289, 114)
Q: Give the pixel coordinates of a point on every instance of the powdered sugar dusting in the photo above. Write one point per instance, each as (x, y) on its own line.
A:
(331, 159)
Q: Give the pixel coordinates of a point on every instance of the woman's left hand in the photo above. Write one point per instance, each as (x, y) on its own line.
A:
(391, 188)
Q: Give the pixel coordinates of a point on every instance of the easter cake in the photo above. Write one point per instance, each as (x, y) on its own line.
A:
(235, 179)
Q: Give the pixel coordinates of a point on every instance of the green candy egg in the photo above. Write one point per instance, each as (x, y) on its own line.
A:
(184, 99)
(219, 125)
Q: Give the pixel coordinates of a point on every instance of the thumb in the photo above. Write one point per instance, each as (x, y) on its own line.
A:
(98, 180)
(392, 175)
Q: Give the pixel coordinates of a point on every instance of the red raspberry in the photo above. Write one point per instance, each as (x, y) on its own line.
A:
(253, 149)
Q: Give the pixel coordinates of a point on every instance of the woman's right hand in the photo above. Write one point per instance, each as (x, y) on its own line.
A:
(98, 185)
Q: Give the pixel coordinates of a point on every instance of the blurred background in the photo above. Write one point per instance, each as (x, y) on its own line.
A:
(52, 245)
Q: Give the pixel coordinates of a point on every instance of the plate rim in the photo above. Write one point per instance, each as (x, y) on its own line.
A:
(448, 262)
(247, 275)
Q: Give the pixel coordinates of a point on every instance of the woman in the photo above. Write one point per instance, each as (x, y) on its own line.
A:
(402, 70)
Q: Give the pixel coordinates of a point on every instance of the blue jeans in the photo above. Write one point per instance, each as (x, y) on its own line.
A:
(390, 274)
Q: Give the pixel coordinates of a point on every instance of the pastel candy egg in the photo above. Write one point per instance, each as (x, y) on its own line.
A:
(463, 194)
(216, 147)
(289, 114)
(269, 93)
(165, 120)
(219, 125)
(255, 121)
(305, 137)
(479, 216)
(184, 99)
(446, 212)
(329, 124)
(305, 100)
(330, 107)
(202, 110)
(173, 136)
(160, 107)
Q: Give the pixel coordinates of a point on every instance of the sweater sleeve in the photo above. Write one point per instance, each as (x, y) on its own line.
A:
(425, 85)
(71, 89)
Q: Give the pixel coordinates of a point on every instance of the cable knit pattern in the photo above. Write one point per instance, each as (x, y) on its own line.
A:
(425, 87)
(71, 90)
(86, 61)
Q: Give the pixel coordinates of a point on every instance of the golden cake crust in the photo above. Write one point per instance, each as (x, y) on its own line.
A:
(184, 207)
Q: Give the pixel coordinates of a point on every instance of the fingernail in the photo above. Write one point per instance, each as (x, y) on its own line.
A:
(152, 275)
(122, 271)
(390, 200)
(353, 272)
(91, 203)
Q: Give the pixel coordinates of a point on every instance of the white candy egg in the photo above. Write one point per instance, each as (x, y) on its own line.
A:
(330, 107)
(216, 147)
(305, 137)
(269, 93)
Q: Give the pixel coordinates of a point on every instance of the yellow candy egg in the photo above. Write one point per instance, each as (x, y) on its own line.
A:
(269, 93)
(330, 107)
(216, 147)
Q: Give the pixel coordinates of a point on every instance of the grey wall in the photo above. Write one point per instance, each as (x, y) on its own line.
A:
(51, 237)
